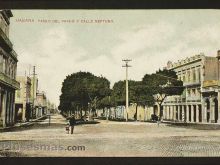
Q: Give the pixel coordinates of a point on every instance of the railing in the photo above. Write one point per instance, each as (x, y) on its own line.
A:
(191, 83)
(5, 38)
(14, 54)
(9, 81)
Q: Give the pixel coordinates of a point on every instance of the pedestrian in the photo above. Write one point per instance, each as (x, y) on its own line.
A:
(158, 122)
(72, 123)
(68, 128)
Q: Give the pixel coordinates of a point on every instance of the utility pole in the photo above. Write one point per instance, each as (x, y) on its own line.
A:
(34, 74)
(126, 65)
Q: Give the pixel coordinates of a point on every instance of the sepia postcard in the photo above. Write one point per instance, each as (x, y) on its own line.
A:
(109, 83)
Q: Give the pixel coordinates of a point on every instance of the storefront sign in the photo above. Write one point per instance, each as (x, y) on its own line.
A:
(208, 83)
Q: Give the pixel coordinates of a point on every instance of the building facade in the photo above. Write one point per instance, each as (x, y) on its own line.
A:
(22, 99)
(34, 89)
(8, 69)
(199, 101)
(41, 104)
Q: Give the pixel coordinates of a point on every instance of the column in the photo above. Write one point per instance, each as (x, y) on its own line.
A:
(0, 104)
(197, 74)
(168, 112)
(212, 111)
(204, 112)
(4, 109)
(192, 113)
(171, 112)
(164, 112)
(24, 111)
(1, 110)
(218, 121)
(197, 113)
(191, 75)
(187, 113)
(183, 113)
(179, 112)
(11, 109)
(7, 108)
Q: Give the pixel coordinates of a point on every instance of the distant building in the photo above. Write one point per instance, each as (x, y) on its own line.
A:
(51, 108)
(8, 69)
(22, 99)
(41, 104)
(200, 99)
(34, 89)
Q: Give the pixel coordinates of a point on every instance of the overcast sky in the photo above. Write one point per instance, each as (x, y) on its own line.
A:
(149, 37)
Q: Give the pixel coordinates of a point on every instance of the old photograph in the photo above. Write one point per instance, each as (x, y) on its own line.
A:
(109, 83)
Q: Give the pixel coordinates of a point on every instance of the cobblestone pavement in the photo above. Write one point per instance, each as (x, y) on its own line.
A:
(109, 138)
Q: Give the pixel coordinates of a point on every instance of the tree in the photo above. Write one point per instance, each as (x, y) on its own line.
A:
(140, 95)
(80, 89)
(161, 84)
(118, 93)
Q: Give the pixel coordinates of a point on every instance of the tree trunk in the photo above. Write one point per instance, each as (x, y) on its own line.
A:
(81, 112)
(136, 112)
(161, 111)
(115, 112)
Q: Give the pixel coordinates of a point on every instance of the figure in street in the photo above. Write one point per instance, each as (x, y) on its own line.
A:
(72, 123)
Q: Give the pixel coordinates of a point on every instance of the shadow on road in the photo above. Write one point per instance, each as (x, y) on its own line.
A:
(195, 126)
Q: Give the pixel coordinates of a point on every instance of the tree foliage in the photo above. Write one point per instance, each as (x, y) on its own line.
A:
(161, 84)
(81, 88)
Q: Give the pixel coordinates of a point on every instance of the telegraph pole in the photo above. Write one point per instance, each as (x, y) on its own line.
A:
(34, 74)
(126, 65)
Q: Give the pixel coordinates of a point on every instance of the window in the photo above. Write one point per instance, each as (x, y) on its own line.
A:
(188, 74)
(194, 92)
(199, 77)
(4, 65)
(184, 78)
(188, 92)
(18, 93)
(194, 74)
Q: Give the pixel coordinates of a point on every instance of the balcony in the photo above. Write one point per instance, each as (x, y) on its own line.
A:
(6, 43)
(9, 81)
(194, 99)
(192, 83)
(14, 54)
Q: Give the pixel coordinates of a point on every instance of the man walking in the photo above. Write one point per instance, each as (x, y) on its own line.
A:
(72, 123)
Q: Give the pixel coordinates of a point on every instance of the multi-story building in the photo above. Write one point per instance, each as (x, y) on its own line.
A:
(199, 101)
(22, 99)
(41, 104)
(8, 69)
(34, 88)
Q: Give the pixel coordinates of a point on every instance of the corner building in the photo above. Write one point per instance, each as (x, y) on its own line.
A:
(8, 69)
(200, 99)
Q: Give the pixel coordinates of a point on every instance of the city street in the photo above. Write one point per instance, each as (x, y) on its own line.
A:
(109, 138)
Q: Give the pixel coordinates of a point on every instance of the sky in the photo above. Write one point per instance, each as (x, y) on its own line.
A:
(150, 38)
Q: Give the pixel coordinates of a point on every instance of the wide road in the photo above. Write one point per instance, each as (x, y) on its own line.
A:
(109, 138)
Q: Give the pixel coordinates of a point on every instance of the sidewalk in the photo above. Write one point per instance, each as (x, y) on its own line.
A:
(21, 125)
(205, 126)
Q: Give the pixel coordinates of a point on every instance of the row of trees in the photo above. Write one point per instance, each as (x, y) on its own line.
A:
(83, 91)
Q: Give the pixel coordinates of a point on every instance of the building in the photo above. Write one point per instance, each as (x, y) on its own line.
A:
(34, 89)
(51, 108)
(22, 99)
(199, 101)
(8, 69)
(41, 104)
